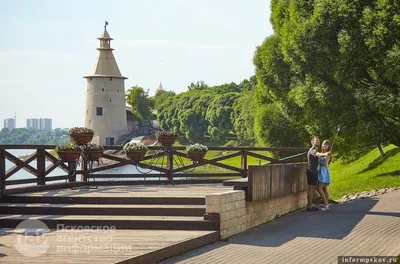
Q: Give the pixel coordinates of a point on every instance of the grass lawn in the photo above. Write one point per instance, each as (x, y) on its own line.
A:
(370, 172)
(234, 162)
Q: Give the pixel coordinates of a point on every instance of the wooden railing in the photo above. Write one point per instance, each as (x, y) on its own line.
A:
(171, 169)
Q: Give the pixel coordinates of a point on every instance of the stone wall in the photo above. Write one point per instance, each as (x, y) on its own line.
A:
(238, 215)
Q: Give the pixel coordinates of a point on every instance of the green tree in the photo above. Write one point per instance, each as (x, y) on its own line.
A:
(193, 119)
(205, 109)
(279, 101)
(351, 49)
(219, 115)
(200, 85)
(248, 85)
(243, 117)
(328, 63)
(141, 104)
(161, 97)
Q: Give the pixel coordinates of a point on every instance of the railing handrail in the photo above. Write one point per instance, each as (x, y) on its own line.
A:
(41, 155)
(120, 147)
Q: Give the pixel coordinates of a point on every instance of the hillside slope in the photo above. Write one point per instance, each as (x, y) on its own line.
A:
(370, 172)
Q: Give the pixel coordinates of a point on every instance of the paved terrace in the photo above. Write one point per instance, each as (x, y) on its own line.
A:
(368, 227)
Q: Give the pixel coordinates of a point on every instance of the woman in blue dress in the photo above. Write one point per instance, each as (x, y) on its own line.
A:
(324, 175)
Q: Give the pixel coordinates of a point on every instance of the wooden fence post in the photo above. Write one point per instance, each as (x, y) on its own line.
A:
(41, 167)
(2, 171)
(243, 158)
(85, 172)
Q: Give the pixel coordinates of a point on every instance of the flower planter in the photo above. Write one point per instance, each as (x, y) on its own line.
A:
(93, 155)
(196, 156)
(81, 139)
(136, 155)
(68, 156)
(166, 141)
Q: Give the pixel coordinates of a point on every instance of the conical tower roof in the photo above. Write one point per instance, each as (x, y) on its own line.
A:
(105, 35)
(160, 88)
(105, 64)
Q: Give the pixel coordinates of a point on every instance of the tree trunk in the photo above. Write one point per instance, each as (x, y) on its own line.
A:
(395, 140)
(381, 150)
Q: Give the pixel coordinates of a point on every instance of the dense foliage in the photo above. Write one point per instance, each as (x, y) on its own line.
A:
(205, 113)
(26, 136)
(141, 103)
(329, 63)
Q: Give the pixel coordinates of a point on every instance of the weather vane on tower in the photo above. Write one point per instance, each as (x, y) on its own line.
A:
(105, 24)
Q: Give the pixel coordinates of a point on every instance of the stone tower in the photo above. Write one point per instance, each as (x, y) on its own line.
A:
(105, 111)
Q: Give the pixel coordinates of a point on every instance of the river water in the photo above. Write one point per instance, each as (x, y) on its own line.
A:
(23, 174)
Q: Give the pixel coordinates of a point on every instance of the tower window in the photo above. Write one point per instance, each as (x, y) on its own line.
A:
(117, 90)
(102, 89)
(87, 111)
(110, 100)
(110, 78)
(99, 111)
(109, 141)
(90, 78)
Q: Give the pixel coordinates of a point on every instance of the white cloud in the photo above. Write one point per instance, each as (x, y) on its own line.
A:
(54, 54)
(166, 44)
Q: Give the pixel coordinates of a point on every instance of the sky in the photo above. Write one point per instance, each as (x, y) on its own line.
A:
(47, 46)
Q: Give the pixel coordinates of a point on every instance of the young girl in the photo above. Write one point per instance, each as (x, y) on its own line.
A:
(324, 175)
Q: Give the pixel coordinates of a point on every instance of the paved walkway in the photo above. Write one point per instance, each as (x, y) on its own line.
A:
(368, 227)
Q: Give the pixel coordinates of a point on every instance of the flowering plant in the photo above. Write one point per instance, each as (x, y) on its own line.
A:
(92, 147)
(133, 146)
(80, 130)
(166, 133)
(68, 147)
(196, 148)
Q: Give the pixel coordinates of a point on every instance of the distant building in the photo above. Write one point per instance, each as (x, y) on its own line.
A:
(43, 124)
(10, 123)
(32, 123)
(160, 89)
